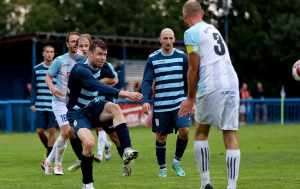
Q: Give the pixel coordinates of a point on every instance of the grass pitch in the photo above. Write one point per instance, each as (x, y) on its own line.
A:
(270, 158)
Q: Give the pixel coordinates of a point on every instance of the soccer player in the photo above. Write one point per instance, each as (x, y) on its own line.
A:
(168, 67)
(110, 77)
(218, 95)
(40, 99)
(60, 68)
(85, 110)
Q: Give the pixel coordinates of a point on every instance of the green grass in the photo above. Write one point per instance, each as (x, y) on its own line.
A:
(270, 158)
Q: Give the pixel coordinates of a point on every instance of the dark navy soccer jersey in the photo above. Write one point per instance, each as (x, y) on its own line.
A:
(40, 94)
(84, 86)
(79, 58)
(107, 71)
(170, 75)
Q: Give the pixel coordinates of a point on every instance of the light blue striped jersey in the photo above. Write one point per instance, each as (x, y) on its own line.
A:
(61, 68)
(216, 70)
(40, 94)
(170, 75)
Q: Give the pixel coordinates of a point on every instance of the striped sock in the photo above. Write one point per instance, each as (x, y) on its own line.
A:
(202, 160)
(233, 158)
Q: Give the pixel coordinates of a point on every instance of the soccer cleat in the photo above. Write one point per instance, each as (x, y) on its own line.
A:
(207, 186)
(43, 164)
(98, 158)
(47, 168)
(162, 173)
(107, 153)
(75, 166)
(129, 154)
(88, 186)
(127, 168)
(177, 167)
(58, 170)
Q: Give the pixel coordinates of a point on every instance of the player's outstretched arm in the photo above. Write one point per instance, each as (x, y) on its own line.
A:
(108, 81)
(136, 96)
(55, 91)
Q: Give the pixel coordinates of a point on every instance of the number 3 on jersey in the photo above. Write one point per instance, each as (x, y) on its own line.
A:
(220, 45)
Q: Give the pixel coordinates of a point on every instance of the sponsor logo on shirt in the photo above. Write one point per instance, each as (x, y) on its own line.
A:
(228, 92)
(68, 74)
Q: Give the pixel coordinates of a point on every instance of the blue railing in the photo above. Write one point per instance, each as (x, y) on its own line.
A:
(16, 116)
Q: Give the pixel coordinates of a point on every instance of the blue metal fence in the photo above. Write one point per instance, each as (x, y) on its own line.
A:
(16, 116)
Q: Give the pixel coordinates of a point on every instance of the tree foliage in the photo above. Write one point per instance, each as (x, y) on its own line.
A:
(263, 35)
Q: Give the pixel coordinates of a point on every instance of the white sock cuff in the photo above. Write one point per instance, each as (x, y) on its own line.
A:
(233, 153)
(201, 144)
(101, 133)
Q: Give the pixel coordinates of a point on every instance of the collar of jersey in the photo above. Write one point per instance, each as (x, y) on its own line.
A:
(89, 65)
(167, 54)
(45, 65)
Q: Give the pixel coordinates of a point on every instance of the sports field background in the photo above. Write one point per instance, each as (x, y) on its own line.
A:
(270, 158)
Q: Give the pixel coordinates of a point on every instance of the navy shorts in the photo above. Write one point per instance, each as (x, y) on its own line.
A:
(107, 126)
(45, 119)
(87, 117)
(164, 122)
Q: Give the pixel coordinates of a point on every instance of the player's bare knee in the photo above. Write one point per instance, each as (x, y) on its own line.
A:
(40, 131)
(52, 131)
(115, 110)
(89, 144)
(184, 133)
(161, 137)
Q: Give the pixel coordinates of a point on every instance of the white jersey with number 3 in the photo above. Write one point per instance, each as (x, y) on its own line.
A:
(216, 70)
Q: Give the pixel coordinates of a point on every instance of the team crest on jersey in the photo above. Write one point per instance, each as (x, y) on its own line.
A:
(68, 74)
(157, 122)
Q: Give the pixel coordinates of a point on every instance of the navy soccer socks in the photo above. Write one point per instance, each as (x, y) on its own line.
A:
(77, 146)
(49, 149)
(161, 154)
(180, 148)
(87, 169)
(123, 134)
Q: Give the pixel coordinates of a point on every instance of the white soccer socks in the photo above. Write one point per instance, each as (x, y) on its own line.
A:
(61, 145)
(202, 160)
(233, 158)
(102, 139)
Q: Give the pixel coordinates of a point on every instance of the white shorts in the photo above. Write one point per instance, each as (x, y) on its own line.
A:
(219, 108)
(60, 111)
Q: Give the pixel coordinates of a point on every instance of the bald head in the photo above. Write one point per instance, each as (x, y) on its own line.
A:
(167, 39)
(192, 8)
(167, 32)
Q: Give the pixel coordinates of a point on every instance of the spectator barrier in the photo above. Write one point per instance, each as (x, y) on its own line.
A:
(16, 116)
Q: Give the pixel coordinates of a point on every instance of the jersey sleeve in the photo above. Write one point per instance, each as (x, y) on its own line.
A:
(33, 89)
(107, 72)
(147, 81)
(79, 58)
(86, 76)
(191, 41)
(113, 70)
(54, 68)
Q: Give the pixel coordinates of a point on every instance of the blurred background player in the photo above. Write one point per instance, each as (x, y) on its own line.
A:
(61, 68)
(168, 67)
(40, 100)
(218, 95)
(260, 106)
(86, 110)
